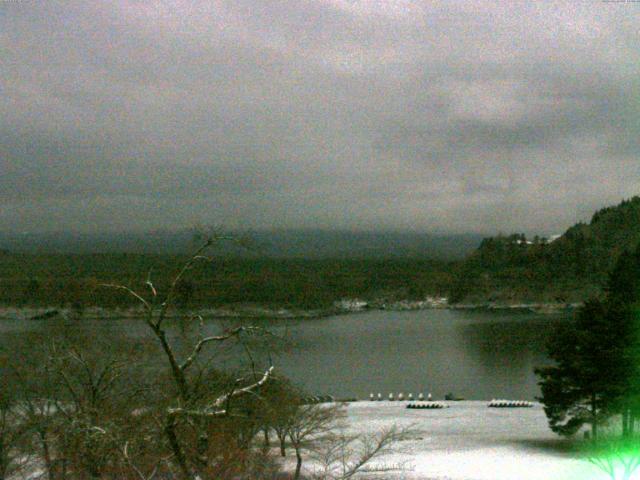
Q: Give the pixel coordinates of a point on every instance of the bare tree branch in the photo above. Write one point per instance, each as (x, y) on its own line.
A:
(214, 338)
(172, 289)
(130, 291)
(215, 409)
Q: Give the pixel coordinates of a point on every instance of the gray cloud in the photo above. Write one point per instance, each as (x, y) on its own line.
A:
(454, 117)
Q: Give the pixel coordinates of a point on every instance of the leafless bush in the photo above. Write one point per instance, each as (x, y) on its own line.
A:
(311, 425)
(78, 397)
(282, 402)
(342, 456)
(14, 434)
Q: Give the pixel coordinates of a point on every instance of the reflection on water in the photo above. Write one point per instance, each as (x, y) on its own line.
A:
(476, 355)
(473, 354)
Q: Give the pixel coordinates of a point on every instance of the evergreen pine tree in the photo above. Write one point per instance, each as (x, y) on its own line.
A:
(597, 371)
(623, 314)
(578, 390)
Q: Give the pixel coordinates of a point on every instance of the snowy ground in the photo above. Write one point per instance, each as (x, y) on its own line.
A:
(470, 441)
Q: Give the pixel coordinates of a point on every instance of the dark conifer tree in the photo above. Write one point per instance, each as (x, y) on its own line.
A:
(597, 371)
(623, 314)
(578, 390)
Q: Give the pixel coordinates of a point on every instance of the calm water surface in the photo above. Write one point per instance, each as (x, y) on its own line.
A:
(476, 355)
(473, 354)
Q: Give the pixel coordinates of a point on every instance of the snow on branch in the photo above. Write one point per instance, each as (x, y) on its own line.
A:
(216, 408)
(214, 338)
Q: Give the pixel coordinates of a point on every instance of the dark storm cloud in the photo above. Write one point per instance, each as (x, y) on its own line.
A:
(458, 116)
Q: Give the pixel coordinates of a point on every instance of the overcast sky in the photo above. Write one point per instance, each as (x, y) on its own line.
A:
(492, 116)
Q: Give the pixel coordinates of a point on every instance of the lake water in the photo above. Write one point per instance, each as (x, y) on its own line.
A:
(473, 354)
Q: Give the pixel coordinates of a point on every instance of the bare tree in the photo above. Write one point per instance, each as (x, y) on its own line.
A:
(77, 394)
(24, 377)
(92, 410)
(191, 410)
(343, 456)
(310, 425)
(282, 401)
(14, 433)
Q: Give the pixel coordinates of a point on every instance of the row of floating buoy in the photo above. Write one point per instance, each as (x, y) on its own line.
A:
(427, 405)
(400, 397)
(510, 404)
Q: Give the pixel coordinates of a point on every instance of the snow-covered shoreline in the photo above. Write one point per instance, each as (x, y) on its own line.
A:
(342, 307)
(469, 441)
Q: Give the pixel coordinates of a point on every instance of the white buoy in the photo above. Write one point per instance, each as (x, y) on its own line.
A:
(379, 397)
(429, 398)
(371, 397)
(391, 397)
(411, 397)
(421, 397)
(401, 396)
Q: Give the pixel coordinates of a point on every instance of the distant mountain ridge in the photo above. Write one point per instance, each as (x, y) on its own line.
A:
(507, 269)
(311, 244)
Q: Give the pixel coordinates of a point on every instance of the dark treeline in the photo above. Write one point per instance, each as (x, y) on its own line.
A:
(570, 268)
(504, 269)
(74, 280)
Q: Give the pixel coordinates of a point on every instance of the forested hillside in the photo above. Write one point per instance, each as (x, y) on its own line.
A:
(571, 268)
(74, 280)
